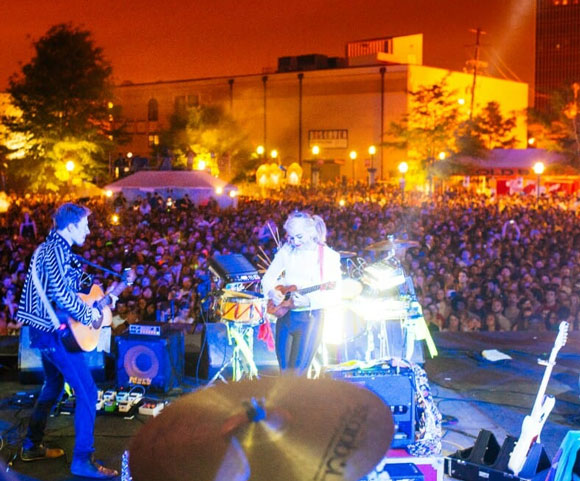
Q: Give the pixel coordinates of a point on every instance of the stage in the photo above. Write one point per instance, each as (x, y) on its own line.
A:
(471, 392)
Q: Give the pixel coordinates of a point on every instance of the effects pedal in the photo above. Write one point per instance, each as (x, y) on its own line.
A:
(151, 408)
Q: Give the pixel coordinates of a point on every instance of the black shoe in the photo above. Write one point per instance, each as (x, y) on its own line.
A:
(40, 451)
(88, 468)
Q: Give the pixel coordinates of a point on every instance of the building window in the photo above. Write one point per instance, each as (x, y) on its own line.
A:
(180, 103)
(153, 140)
(153, 110)
(193, 100)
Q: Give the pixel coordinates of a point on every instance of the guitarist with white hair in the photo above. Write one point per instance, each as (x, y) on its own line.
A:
(53, 281)
(301, 281)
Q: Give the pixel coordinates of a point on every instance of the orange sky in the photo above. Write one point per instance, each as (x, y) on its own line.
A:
(148, 40)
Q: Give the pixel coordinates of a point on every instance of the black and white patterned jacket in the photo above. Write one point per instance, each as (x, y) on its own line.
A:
(60, 274)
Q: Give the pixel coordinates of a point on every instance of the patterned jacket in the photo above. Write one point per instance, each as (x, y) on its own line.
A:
(59, 273)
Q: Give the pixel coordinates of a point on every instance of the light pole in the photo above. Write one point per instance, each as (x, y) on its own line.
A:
(353, 156)
(372, 170)
(403, 168)
(538, 169)
(70, 167)
(315, 172)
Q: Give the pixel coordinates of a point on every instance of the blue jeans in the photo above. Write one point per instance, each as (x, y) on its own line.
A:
(298, 335)
(60, 366)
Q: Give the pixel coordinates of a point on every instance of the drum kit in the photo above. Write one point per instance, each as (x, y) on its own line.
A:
(375, 297)
(379, 302)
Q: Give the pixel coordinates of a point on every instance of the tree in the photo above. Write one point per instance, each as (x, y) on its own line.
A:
(429, 127)
(206, 134)
(493, 130)
(63, 95)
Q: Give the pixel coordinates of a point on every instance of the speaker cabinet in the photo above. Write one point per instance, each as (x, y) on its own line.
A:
(30, 369)
(396, 389)
(154, 362)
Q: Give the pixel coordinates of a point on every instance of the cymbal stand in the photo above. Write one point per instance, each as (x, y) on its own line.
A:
(241, 337)
(369, 354)
(384, 351)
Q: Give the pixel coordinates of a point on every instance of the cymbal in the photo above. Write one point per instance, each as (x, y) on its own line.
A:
(347, 254)
(286, 427)
(386, 245)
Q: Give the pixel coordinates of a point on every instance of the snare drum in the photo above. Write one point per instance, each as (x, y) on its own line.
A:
(243, 309)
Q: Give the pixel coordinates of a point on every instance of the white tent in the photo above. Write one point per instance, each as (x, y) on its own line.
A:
(199, 186)
(510, 162)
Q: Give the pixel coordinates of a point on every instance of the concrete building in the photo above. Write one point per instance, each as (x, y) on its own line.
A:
(339, 104)
(557, 48)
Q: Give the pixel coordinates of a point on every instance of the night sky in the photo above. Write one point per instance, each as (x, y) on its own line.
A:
(149, 40)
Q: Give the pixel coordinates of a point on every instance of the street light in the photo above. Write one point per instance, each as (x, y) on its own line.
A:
(372, 170)
(353, 156)
(538, 169)
(403, 168)
(314, 172)
(70, 166)
(274, 154)
(260, 150)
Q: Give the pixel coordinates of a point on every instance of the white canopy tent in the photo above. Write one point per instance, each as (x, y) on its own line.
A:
(199, 186)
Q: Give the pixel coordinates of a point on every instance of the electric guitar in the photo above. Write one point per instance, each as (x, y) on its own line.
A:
(77, 336)
(279, 310)
(533, 424)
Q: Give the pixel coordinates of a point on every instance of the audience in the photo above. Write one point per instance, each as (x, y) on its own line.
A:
(482, 263)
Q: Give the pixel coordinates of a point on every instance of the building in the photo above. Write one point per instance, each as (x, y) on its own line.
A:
(557, 48)
(339, 104)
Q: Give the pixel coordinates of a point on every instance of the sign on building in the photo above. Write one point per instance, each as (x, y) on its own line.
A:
(328, 139)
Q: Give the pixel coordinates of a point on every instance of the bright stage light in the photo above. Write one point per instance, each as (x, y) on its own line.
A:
(333, 332)
(381, 276)
(374, 309)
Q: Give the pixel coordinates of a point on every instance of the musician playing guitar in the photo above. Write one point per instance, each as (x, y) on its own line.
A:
(301, 281)
(53, 281)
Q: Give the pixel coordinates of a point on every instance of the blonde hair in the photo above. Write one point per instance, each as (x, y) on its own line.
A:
(314, 223)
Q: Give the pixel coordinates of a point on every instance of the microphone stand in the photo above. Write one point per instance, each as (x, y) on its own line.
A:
(101, 268)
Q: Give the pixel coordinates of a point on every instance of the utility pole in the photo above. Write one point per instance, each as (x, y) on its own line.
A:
(476, 64)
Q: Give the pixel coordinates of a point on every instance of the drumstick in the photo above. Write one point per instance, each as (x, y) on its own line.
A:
(265, 257)
(275, 235)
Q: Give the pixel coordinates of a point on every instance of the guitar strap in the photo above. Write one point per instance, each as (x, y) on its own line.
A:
(42, 294)
(321, 260)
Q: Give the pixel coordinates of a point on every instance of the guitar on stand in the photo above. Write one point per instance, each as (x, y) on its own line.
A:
(543, 405)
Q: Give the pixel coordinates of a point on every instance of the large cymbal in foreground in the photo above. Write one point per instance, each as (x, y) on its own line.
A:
(307, 430)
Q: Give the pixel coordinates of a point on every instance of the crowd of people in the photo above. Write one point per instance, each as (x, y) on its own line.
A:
(481, 263)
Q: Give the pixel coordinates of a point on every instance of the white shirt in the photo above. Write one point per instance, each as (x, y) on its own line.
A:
(301, 268)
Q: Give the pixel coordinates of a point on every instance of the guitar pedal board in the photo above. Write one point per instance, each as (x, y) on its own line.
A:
(118, 402)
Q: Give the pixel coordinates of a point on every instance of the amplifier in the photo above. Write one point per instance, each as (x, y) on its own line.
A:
(396, 388)
(233, 268)
(148, 329)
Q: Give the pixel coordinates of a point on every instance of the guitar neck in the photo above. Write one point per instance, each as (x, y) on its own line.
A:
(106, 300)
(308, 290)
(544, 384)
(560, 341)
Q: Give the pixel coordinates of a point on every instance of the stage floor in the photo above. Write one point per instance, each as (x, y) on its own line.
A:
(471, 392)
